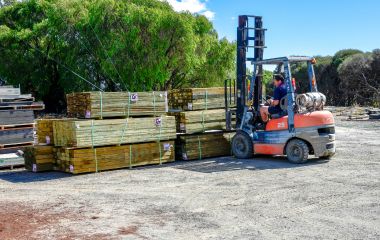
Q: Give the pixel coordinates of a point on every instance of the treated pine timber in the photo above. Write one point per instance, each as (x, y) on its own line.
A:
(200, 121)
(88, 133)
(44, 131)
(39, 158)
(205, 145)
(192, 99)
(89, 160)
(99, 105)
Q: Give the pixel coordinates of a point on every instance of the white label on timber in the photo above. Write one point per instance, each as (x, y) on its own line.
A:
(184, 156)
(77, 126)
(189, 106)
(47, 139)
(182, 127)
(158, 122)
(88, 114)
(161, 95)
(134, 97)
(167, 146)
(71, 168)
(34, 168)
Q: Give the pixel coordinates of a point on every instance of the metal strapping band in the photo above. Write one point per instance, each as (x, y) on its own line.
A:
(130, 156)
(124, 130)
(93, 147)
(203, 121)
(159, 141)
(101, 105)
(199, 148)
(206, 100)
(154, 103)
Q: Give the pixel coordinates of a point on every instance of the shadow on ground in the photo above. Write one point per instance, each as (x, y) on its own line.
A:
(232, 164)
(26, 176)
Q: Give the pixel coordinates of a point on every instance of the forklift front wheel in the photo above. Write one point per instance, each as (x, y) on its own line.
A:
(242, 146)
(297, 151)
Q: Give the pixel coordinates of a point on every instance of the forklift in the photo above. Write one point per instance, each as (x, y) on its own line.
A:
(302, 128)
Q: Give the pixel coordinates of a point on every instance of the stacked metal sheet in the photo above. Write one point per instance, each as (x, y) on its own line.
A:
(16, 119)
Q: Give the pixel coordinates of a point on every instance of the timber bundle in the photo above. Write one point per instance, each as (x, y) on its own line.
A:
(116, 130)
(16, 120)
(201, 122)
(193, 99)
(116, 104)
(113, 130)
(200, 146)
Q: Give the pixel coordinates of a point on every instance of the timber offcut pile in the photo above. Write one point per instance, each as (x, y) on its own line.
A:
(201, 122)
(99, 105)
(16, 119)
(142, 135)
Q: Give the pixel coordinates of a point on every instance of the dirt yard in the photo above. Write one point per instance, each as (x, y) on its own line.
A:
(224, 198)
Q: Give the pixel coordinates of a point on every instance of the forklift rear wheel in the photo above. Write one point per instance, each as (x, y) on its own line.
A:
(297, 151)
(242, 146)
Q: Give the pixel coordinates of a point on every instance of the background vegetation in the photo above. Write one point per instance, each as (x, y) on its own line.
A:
(52, 47)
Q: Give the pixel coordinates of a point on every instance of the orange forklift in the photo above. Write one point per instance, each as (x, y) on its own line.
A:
(301, 129)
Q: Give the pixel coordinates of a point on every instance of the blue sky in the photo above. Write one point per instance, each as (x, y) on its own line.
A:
(298, 27)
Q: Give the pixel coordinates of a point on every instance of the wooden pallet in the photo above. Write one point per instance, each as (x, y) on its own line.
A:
(193, 99)
(206, 145)
(88, 133)
(100, 105)
(17, 126)
(16, 145)
(34, 107)
(89, 160)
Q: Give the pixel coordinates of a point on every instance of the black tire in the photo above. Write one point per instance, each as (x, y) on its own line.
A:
(297, 151)
(242, 146)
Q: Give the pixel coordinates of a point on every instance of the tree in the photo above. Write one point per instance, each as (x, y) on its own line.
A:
(53, 47)
(360, 78)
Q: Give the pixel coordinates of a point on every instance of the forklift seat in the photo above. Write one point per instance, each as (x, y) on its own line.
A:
(283, 105)
(279, 115)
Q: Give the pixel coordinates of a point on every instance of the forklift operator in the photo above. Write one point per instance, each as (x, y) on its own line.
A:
(274, 104)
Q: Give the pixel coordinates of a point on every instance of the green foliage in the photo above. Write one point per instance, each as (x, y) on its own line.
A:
(135, 45)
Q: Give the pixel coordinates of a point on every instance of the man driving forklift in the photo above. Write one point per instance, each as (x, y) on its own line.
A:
(274, 104)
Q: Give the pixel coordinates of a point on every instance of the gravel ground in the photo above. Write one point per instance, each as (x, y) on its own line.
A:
(224, 198)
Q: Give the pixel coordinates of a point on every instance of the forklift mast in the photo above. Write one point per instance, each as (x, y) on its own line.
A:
(246, 34)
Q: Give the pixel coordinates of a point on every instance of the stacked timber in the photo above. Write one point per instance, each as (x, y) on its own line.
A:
(39, 158)
(206, 145)
(200, 121)
(193, 99)
(16, 119)
(87, 160)
(44, 130)
(91, 133)
(99, 105)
